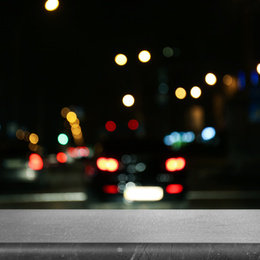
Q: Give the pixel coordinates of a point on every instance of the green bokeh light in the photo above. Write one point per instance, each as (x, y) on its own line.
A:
(63, 139)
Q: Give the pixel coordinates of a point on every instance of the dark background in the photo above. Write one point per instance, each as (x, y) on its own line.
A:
(66, 57)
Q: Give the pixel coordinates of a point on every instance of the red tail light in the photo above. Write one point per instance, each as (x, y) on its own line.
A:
(111, 189)
(174, 188)
(175, 164)
(107, 164)
(61, 157)
(35, 162)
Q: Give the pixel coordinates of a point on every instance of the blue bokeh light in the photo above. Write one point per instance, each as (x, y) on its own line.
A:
(208, 133)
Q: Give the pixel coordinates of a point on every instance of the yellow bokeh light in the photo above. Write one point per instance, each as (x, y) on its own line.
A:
(51, 5)
(258, 68)
(64, 112)
(195, 92)
(76, 122)
(20, 134)
(144, 56)
(33, 138)
(33, 147)
(180, 93)
(71, 117)
(77, 136)
(76, 129)
(26, 136)
(210, 79)
(227, 79)
(128, 100)
(120, 59)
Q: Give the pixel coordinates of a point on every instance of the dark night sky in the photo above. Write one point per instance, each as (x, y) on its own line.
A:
(63, 58)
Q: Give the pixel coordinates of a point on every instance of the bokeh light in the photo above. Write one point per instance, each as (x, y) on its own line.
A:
(133, 124)
(227, 80)
(107, 164)
(35, 162)
(110, 189)
(175, 164)
(63, 139)
(51, 5)
(33, 147)
(210, 79)
(180, 93)
(26, 136)
(174, 188)
(71, 117)
(208, 133)
(254, 77)
(128, 100)
(144, 56)
(168, 52)
(195, 92)
(33, 138)
(20, 134)
(61, 157)
(64, 112)
(76, 129)
(258, 68)
(75, 123)
(110, 126)
(120, 59)
(188, 137)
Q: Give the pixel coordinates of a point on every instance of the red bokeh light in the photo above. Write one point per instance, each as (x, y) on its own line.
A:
(174, 188)
(111, 189)
(133, 124)
(61, 157)
(35, 162)
(72, 152)
(110, 126)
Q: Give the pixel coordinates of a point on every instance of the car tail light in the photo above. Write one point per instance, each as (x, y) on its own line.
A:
(35, 162)
(107, 164)
(61, 157)
(175, 164)
(174, 188)
(111, 189)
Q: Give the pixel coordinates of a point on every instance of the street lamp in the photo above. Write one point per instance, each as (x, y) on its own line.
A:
(258, 68)
(128, 100)
(180, 93)
(51, 5)
(210, 79)
(195, 92)
(120, 59)
(144, 56)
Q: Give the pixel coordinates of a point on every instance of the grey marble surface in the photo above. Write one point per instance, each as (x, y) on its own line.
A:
(129, 226)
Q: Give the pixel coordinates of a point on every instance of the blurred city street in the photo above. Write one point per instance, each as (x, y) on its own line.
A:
(206, 190)
(121, 104)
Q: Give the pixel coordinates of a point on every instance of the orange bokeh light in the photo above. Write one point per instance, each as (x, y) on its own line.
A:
(107, 164)
(175, 164)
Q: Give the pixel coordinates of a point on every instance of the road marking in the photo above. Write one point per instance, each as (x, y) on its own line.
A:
(43, 197)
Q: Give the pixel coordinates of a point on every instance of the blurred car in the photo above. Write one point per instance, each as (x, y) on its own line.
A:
(135, 170)
(20, 169)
